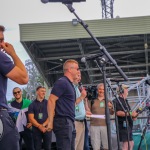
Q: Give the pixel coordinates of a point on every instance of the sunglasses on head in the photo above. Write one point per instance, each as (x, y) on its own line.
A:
(16, 92)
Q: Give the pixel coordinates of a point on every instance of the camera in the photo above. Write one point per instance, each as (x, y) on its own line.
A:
(91, 92)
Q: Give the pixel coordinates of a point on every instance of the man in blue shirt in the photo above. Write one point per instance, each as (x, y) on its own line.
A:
(9, 137)
(81, 109)
(61, 107)
(38, 116)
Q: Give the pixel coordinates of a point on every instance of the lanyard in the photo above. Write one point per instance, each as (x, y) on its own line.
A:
(40, 106)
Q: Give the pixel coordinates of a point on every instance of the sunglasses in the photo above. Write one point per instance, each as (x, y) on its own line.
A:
(16, 92)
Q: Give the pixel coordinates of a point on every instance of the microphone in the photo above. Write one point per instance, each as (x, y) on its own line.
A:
(117, 80)
(44, 1)
(80, 86)
(141, 108)
(63, 1)
(84, 59)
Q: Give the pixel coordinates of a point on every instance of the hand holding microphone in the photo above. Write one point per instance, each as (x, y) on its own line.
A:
(82, 90)
(134, 114)
(80, 86)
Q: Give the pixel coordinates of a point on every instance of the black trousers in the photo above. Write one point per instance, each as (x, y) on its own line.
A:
(65, 133)
(26, 135)
(38, 137)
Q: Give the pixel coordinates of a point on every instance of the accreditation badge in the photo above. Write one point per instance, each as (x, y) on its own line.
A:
(40, 116)
(102, 104)
(77, 108)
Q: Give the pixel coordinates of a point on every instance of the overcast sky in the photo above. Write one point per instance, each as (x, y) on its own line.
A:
(15, 12)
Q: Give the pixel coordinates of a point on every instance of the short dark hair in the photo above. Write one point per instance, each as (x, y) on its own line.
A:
(39, 87)
(2, 28)
(16, 88)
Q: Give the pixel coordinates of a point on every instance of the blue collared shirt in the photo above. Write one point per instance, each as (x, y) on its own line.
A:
(79, 108)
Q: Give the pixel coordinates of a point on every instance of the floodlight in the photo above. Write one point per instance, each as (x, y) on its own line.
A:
(74, 22)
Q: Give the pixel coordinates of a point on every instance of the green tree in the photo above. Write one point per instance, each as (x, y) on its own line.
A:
(35, 79)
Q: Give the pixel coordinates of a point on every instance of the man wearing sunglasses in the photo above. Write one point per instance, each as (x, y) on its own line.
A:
(16, 71)
(19, 107)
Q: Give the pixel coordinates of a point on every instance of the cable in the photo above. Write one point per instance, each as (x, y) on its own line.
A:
(145, 143)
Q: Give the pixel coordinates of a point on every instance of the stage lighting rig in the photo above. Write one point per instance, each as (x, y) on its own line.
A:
(63, 1)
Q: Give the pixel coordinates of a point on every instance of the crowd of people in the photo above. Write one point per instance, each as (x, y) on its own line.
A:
(64, 112)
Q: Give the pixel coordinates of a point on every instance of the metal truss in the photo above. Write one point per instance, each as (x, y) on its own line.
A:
(139, 97)
(107, 9)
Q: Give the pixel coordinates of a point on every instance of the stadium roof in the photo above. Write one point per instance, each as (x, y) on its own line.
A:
(126, 39)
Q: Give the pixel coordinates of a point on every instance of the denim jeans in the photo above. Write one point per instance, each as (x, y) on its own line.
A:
(65, 133)
(10, 136)
(38, 137)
